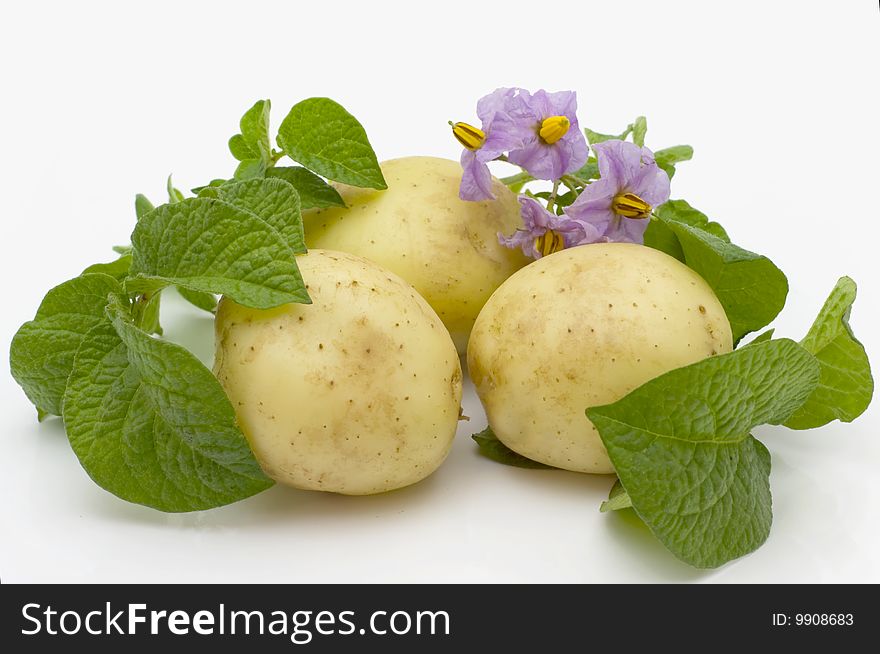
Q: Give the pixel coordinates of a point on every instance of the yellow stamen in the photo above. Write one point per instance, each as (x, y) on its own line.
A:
(469, 136)
(630, 205)
(549, 242)
(554, 128)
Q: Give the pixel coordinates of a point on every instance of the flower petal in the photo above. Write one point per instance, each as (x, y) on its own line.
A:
(595, 197)
(520, 239)
(535, 217)
(535, 104)
(593, 207)
(536, 221)
(627, 230)
(576, 145)
(506, 134)
(651, 183)
(575, 232)
(543, 104)
(496, 101)
(476, 180)
(602, 220)
(563, 103)
(619, 161)
(589, 234)
(540, 160)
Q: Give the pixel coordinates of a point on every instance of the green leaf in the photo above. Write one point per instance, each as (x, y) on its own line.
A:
(146, 312)
(117, 269)
(207, 245)
(240, 148)
(213, 182)
(272, 200)
(313, 191)
(639, 129)
(174, 195)
(254, 127)
(42, 351)
(565, 200)
(763, 337)
(598, 137)
(661, 237)
(588, 171)
(322, 136)
(205, 301)
(122, 249)
(845, 385)
(749, 286)
(674, 154)
(667, 168)
(516, 182)
(618, 499)
(492, 448)
(250, 169)
(151, 424)
(142, 205)
(252, 145)
(668, 157)
(682, 212)
(682, 447)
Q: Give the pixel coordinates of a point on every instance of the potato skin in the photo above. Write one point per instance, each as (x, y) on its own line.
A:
(419, 228)
(356, 393)
(580, 328)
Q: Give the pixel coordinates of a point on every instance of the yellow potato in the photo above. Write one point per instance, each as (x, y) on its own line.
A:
(356, 393)
(418, 228)
(580, 328)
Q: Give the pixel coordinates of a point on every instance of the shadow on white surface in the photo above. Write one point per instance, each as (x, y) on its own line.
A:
(279, 506)
(645, 552)
(557, 482)
(52, 428)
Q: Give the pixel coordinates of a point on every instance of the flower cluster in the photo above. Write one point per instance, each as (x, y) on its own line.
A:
(539, 132)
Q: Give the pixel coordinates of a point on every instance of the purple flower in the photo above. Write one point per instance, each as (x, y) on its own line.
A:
(499, 133)
(545, 233)
(618, 205)
(554, 144)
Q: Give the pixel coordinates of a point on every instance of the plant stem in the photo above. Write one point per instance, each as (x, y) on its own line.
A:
(551, 201)
(140, 305)
(572, 182)
(518, 178)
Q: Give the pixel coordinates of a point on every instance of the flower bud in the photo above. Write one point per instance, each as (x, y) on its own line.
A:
(469, 136)
(630, 205)
(554, 128)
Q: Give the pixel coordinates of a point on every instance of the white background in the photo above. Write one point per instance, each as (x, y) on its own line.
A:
(100, 101)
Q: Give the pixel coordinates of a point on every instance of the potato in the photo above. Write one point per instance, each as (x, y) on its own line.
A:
(418, 228)
(356, 393)
(580, 328)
